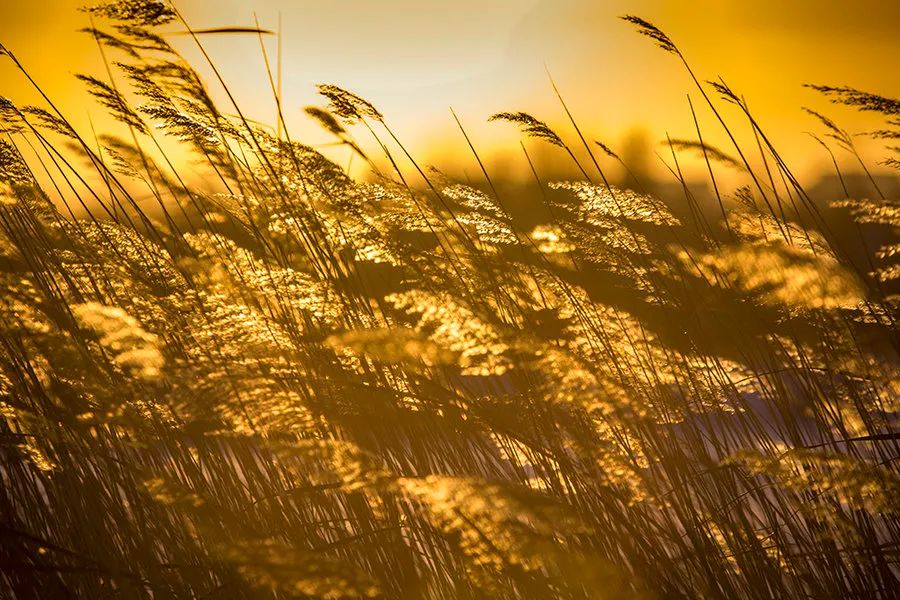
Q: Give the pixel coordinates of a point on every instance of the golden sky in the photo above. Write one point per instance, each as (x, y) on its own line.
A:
(414, 59)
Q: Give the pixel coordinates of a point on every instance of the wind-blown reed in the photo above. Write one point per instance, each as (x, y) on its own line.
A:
(305, 385)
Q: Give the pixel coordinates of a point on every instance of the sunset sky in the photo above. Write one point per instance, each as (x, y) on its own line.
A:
(414, 59)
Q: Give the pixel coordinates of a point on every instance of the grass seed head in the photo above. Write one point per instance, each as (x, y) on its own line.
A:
(348, 105)
(653, 32)
(530, 126)
(138, 12)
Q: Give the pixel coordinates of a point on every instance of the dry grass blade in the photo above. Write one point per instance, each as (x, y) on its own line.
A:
(221, 30)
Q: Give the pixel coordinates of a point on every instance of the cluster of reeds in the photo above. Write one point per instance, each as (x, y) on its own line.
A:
(304, 385)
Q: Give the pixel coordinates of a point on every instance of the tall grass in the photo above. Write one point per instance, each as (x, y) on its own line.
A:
(305, 385)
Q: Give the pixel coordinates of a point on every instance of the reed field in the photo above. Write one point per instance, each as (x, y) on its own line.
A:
(283, 381)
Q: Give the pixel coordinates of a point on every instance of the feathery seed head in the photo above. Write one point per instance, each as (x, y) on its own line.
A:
(10, 119)
(51, 121)
(601, 206)
(12, 168)
(836, 133)
(783, 276)
(607, 150)
(325, 119)
(140, 12)
(144, 39)
(859, 99)
(726, 92)
(133, 348)
(111, 41)
(113, 100)
(550, 239)
(348, 105)
(885, 134)
(704, 149)
(530, 126)
(825, 120)
(653, 32)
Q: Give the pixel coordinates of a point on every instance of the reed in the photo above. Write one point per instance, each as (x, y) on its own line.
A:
(305, 385)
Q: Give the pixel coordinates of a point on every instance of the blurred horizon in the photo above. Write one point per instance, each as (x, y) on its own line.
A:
(414, 61)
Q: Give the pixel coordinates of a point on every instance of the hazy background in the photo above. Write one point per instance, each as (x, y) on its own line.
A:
(414, 59)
